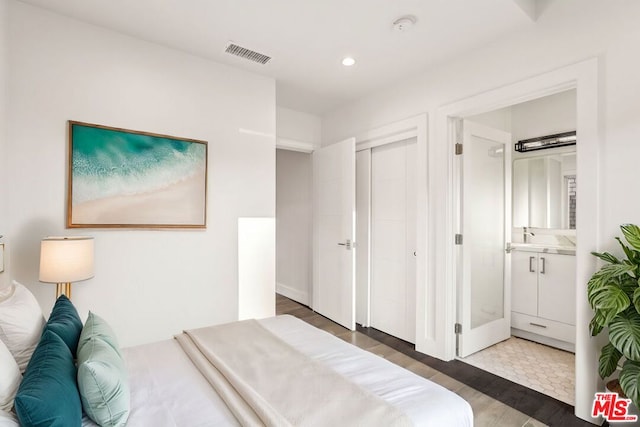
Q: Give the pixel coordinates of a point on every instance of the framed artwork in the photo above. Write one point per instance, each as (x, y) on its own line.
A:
(120, 178)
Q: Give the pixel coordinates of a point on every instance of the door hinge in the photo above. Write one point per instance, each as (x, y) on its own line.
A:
(458, 239)
(457, 328)
(458, 149)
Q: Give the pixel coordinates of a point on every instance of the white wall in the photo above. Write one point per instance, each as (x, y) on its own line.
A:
(566, 32)
(4, 194)
(298, 126)
(149, 284)
(497, 119)
(294, 228)
(544, 116)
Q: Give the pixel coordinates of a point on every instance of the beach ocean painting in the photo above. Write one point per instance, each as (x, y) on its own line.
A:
(124, 178)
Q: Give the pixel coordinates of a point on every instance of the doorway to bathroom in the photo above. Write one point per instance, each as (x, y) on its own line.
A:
(516, 273)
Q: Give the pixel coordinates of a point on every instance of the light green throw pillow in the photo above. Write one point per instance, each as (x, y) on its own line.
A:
(96, 326)
(103, 383)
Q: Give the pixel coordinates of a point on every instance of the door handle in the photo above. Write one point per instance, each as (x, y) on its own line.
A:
(347, 245)
(543, 264)
(531, 270)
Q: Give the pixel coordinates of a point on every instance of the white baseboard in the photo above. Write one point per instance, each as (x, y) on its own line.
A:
(295, 294)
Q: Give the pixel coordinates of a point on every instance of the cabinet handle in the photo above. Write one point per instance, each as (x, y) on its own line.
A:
(531, 270)
(543, 264)
(538, 325)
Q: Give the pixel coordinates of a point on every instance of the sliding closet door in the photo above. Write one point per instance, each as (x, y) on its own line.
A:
(393, 238)
(363, 231)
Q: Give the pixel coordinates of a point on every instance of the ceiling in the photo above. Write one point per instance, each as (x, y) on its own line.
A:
(307, 39)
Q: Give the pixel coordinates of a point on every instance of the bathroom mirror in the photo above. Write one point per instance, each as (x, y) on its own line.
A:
(544, 191)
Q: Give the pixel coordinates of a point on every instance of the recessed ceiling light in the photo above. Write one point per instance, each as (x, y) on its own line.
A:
(348, 61)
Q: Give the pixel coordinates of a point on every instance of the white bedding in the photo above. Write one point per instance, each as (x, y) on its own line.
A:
(167, 389)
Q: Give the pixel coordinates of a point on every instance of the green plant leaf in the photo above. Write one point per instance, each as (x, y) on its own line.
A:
(605, 277)
(624, 334)
(628, 284)
(608, 361)
(630, 380)
(636, 299)
(614, 270)
(597, 324)
(631, 255)
(606, 256)
(632, 234)
(609, 298)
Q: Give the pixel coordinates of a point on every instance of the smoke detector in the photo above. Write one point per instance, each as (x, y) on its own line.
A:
(404, 23)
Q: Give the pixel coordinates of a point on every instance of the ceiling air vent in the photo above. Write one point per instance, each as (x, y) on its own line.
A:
(245, 53)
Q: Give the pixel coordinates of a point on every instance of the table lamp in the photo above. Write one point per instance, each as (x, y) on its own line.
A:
(64, 260)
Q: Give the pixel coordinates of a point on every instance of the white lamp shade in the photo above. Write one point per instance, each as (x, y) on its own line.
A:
(66, 259)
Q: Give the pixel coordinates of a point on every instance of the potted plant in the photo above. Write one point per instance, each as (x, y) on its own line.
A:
(614, 294)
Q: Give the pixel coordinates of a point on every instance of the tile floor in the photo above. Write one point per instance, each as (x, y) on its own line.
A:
(537, 366)
(488, 412)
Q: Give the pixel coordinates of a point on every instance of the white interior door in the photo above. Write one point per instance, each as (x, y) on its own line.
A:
(485, 306)
(334, 182)
(393, 238)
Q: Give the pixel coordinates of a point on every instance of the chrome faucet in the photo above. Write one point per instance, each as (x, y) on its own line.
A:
(525, 234)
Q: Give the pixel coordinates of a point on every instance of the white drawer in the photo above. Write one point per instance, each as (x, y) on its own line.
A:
(545, 327)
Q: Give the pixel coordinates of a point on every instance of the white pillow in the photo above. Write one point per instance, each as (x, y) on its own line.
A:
(10, 378)
(21, 324)
(6, 292)
(7, 419)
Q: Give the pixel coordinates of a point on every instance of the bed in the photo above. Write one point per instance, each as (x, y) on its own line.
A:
(278, 371)
(168, 390)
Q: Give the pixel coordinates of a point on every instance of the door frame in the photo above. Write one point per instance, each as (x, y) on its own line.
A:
(413, 127)
(582, 76)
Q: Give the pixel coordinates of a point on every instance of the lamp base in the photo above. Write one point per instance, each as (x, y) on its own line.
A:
(63, 289)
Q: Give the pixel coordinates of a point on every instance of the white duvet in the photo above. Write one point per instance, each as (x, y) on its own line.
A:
(167, 389)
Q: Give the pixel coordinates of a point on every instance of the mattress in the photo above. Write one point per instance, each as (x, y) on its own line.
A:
(168, 390)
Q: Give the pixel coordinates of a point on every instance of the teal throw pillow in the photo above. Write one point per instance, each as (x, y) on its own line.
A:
(65, 322)
(48, 395)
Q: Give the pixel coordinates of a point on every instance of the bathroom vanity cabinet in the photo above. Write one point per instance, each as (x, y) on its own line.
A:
(543, 296)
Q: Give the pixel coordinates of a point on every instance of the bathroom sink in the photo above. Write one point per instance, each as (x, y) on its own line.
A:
(536, 247)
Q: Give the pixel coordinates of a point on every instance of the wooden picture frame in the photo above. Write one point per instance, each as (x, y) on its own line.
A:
(121, 178)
